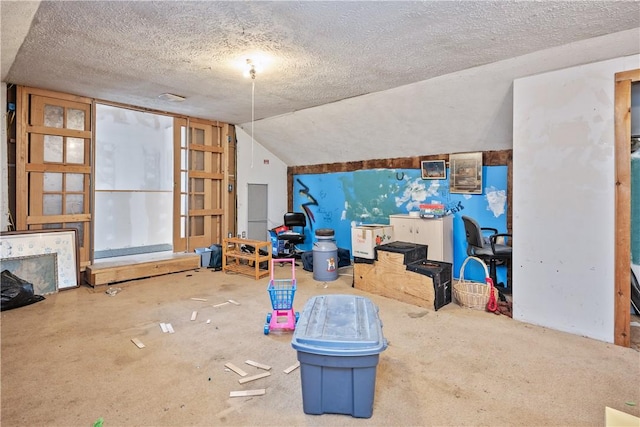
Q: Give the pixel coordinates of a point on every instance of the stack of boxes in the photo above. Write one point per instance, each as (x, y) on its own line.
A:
(398, 270)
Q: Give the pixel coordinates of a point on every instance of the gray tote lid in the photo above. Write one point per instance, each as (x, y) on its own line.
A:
(339, 325)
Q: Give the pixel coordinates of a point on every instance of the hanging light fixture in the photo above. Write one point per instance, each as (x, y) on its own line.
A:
(250, 71)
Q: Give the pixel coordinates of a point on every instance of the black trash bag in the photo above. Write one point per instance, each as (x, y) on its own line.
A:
(16, 292)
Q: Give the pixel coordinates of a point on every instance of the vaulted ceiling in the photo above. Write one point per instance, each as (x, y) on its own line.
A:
(362, 79)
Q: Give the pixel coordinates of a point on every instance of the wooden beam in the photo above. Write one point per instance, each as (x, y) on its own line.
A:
(206, 148)
(98, 274)
(58, 95)
(490, 158)
(22, 139)
(631, 75)
(206, 175)
(55, 219)
(205, 212)
(44, 130)
(622, 238)
(60, 168)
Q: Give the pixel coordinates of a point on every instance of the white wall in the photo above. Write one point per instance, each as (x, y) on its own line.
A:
(252, 169)
(563, 198)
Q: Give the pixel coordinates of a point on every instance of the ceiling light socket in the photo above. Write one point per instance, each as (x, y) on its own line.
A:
(171, 97)
(251, 68)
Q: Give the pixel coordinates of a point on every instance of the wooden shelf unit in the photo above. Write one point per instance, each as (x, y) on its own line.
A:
(237, 261)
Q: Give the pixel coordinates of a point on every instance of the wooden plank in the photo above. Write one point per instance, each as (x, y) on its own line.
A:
(179, 241)
(388, 277)
(22, 144)
(61, 168)
(622, 250)
(221, 304)
(206, 148)
(206, 175)
(493, 158)
(258, 365)
(244, 393)
(58, 95)
(235, 369)
(97, 275)
(54, 219)
(254, 377)
(292, 368)
(44, 130)
(137, 342)
(228, 169)
(632, 75)
(203, 212)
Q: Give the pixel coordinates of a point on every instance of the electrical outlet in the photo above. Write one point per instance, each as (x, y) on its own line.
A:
(244, 235)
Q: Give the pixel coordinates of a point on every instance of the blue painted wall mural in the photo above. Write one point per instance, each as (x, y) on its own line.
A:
(344, 199)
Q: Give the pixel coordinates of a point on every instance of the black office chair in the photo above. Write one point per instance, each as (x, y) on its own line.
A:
(295, 222)
(482, 242)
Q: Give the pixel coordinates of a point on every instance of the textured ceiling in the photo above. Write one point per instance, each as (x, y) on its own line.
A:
(314, 52)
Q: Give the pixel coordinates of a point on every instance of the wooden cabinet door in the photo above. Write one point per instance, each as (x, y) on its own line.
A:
(429, 232)
(403, 229)
(435, 233)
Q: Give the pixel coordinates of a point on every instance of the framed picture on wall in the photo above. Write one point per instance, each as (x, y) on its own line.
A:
(465, 173)
(433, 169)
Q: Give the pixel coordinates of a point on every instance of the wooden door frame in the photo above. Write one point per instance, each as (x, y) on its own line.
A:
(622, 234)
(25, 128)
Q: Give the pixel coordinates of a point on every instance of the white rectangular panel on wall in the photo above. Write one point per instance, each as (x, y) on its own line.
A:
(563, 198)
(133, 219)
(133, 180)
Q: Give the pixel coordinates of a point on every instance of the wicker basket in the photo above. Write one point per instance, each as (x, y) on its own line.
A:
(470, 294)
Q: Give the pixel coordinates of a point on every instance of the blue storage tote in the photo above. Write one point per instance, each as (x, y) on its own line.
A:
(338, 339)
(205, 256)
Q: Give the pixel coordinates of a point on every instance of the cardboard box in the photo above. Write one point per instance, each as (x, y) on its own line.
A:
(364, 239)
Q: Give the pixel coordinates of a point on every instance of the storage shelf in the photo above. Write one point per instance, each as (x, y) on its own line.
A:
(238, 261)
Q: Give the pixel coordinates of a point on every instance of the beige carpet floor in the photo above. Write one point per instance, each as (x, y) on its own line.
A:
(69, 361)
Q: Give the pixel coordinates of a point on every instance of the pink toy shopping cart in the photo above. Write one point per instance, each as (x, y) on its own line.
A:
(281, 292)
